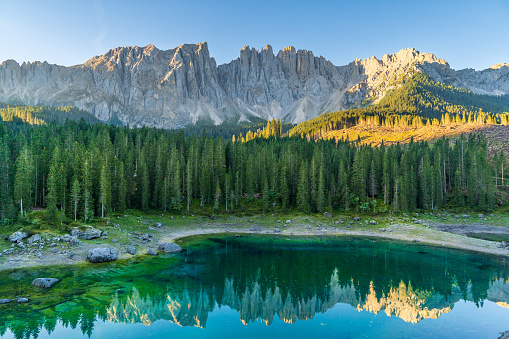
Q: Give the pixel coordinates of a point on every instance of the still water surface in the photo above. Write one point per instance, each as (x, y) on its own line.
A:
(251, 287)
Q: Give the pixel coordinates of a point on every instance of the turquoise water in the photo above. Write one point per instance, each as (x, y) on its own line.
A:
(254, 287)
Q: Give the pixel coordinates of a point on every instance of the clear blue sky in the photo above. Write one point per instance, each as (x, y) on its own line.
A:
(465, 33)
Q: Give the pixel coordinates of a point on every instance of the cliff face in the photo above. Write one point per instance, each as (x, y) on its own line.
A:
(148, 86)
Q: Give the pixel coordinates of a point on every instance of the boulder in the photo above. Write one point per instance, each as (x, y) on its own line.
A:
(19, 235)
(357, 219)
(158, 224)
(131, 250)
(101, 254)
(146, 237)
(72, 240)
(87, 234)
(151, 252)
(373, 222)
(34, 238)
(288, 221)
(5, 301)
(44, 282)
(21, 300)
(169, 247)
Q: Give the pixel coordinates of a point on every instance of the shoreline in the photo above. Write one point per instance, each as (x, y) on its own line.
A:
(400, 232)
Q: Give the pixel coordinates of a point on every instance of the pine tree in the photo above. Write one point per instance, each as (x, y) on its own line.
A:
(24, 179)
(75, 196)
(303, 192)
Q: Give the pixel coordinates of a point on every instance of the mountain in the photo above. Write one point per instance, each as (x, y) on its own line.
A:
(183, 85)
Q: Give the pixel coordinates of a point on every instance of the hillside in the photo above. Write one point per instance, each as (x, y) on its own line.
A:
(40, 115)
(420, 107)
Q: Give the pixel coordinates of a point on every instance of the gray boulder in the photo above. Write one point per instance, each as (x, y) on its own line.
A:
(21, 300)
(44, 282)
(5, 301)
(72, 240)
(169, 247)
(34, 238)
(131, 250)
(373, 222)
(357, 219)
(101, 254)
(19, 235)
(87, 234)
(151, 252)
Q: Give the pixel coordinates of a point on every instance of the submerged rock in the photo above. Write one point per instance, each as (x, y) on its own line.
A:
(169, 247)
(86, 234)
(101, 254)
(16, 236)
(44, 282)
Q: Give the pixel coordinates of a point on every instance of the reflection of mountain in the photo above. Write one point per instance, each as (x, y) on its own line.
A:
(253, 304)
(261, 281)
(182, 309)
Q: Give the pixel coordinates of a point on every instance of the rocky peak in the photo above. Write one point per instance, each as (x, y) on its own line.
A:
(499, 65)
(174, 87)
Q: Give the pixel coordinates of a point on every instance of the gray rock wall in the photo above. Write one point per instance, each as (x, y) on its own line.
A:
(183, 85)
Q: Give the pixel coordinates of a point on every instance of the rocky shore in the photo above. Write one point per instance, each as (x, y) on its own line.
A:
(152, 238)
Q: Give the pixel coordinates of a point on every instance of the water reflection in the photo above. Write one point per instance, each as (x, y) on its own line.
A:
(262, 282)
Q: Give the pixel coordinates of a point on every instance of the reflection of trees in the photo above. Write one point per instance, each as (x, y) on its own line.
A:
(262, 282)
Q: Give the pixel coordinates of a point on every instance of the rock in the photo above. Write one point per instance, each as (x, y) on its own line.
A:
(505, 244)
(288, 221)
(5, 301)
(357, 219)
(373, 222)
(277, 230)
(101, 254)
(131, 250)
(146, 237)
(382, 230)
(71, 255)
(17, 236)
(169, 247)
(72, 240)
(105, 234)
(21, 300)
(44, 282)
(213, 217)
(158, 224)
(466, 216)
(34, 238)
(504, 335)
(151, 251)
(480, 216)
(237, 235)
(171, 217)
(87, 234)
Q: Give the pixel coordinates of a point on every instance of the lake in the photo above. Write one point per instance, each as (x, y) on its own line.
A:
(267, 286)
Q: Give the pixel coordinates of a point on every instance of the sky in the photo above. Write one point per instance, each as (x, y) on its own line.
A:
(467, 34)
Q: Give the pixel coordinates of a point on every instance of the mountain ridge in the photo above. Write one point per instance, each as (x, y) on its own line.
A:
(183, 85)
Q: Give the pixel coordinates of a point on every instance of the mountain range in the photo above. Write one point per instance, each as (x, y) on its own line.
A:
(183, 85)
